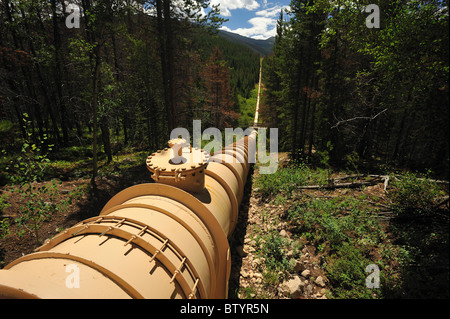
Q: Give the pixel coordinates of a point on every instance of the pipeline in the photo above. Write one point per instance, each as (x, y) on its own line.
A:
(167, 239)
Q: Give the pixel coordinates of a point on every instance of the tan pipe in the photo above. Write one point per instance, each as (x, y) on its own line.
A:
(161, 240)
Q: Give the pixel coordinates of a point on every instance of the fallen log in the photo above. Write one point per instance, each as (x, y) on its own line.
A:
(343, 185)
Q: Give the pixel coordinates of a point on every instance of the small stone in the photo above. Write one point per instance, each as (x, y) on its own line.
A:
(319, 281)
(283, 233)
(306, 273)
(309, 289)
(293, 287)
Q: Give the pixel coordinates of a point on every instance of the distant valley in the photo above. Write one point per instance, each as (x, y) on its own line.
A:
(262, 47)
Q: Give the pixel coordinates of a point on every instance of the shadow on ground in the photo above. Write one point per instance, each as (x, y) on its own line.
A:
(237, 238)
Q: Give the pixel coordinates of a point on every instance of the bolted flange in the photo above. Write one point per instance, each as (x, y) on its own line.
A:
(180, 165)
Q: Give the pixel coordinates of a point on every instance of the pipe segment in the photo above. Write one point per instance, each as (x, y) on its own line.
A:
(167, 239)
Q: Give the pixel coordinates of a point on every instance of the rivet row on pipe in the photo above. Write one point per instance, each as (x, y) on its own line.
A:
(167, 239)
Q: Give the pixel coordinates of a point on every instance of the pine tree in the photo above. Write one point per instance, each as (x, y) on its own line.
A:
(219, 100)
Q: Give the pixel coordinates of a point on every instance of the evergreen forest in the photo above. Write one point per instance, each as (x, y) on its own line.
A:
(379, 94)
(120, 74)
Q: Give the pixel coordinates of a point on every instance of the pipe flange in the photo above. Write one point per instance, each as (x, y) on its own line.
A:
(183, 167)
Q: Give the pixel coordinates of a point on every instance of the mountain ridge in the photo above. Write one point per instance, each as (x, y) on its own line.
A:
(262, 47)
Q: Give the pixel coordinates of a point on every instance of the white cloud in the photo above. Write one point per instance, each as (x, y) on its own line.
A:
(273, 12)
(227, 5)
(263, 23)
(262, 28)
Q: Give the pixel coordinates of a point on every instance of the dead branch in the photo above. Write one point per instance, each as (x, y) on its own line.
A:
(370, 118)
(343, 185)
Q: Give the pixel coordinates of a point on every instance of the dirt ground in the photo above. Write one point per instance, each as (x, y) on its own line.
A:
(89, 205)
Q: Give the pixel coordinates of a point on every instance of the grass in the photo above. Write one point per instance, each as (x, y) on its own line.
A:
(286, 180)
(346, 234)
(34, 176)
(38, 203)
(349, 233)
(247, 108)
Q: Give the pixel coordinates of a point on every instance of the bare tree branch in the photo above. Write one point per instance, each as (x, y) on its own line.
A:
(359, 118)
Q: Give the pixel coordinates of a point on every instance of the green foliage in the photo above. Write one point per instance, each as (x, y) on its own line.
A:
(4, 228)
(345, 231)
(286, 180)
(353, 160)
(30, 165)
(4, 222)
(243, 63)
(346, 271)
(40, 203)
(332, 220)
(274, 251)
(3, 202)
(410, 194)
(5, 126)
(373, 93)
(247, 109)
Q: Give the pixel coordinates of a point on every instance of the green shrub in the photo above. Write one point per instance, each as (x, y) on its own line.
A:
(274, 251)
(413, 195)
(346, 271)
(4, 228)
(287, 179)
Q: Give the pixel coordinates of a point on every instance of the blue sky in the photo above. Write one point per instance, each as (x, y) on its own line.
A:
(251, 18)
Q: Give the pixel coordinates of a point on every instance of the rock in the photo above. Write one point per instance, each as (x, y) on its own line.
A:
(244, 273)
(306, 273)
(309, 289)
(319, 281)
(293, 287)
(283, 233)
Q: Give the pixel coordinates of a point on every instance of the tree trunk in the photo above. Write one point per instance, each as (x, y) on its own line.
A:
(57, 72)
(106, 139)
(166, 52)
(95, 81)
